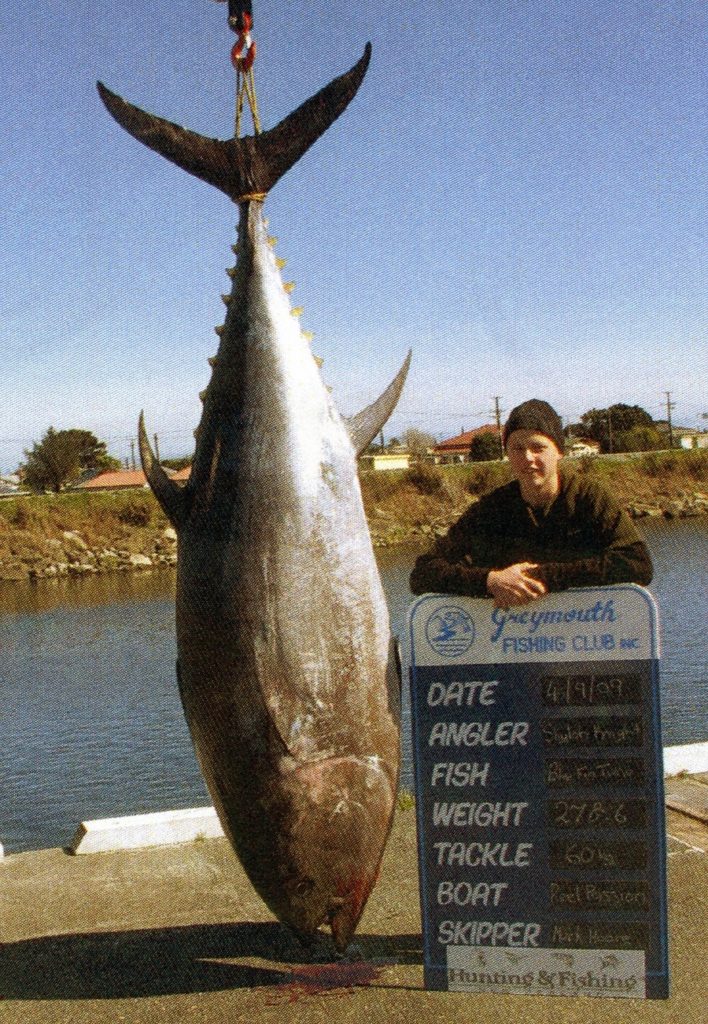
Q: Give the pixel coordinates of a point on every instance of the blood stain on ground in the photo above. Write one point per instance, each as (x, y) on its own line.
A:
(324, 980)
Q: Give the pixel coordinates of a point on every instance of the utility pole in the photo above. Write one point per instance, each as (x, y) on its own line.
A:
(157, 447)
(669, 406)
(497, 416)
(609, 431)
(132, 453)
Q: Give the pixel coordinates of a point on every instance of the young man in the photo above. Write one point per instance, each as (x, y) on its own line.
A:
(547, 530)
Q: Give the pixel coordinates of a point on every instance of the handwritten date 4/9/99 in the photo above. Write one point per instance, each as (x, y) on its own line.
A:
(591, 690)
(597, 813)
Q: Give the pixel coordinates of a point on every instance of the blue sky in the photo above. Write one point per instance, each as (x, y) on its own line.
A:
(517, 193)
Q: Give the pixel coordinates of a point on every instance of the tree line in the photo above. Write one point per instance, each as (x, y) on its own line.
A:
(63, 458)
(619, 428)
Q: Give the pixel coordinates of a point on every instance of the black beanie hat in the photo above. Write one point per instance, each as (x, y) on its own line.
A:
(538, 416)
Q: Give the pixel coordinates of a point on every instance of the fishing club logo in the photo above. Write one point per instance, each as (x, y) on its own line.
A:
(450, 631)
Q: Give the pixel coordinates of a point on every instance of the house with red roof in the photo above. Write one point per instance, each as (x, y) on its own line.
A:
(125, 479)
(114, 480)
(457, 449)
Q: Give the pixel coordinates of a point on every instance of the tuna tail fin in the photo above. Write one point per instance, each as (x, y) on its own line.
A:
(169, 494)
(248, 167)
(365, 425)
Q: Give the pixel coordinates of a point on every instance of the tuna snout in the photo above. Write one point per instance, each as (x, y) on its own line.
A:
(342, 809)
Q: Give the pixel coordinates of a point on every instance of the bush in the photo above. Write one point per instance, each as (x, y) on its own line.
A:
(691, 463)
(585, 464)
(653, 465)
(486, 447)
(137, 510)
(487, 476)
(695, 464)
(426, 479)
(638, 439)
(22, 514)
(377, 486)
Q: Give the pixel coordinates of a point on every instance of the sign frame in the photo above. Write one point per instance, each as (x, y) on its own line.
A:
(575, 673)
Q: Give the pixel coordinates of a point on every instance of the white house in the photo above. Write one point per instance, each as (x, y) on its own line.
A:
(386, 460)
(579, 446)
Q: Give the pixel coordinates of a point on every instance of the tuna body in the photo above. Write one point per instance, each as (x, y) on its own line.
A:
(282, 626)
(284, 662)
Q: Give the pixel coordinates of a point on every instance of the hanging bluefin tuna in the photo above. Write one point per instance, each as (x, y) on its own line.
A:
(285, 667)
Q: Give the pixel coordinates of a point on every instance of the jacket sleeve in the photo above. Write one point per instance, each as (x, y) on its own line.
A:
(448, 567)
(622, 556)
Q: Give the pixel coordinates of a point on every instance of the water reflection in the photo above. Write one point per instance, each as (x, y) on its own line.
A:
(86, 591)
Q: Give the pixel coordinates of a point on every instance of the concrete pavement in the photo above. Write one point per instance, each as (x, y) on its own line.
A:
(176, 933)
(689, 794)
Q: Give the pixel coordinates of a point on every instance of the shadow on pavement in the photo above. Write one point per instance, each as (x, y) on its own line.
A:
(193, 958)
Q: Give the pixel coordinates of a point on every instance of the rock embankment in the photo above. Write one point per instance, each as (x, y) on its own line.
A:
(683, 506)
(387, 532)
(72, 556)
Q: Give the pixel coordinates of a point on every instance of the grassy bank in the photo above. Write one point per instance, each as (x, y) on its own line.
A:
(74, 534)
(424, 500)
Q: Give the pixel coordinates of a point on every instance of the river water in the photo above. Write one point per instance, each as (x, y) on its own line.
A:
(91, 724)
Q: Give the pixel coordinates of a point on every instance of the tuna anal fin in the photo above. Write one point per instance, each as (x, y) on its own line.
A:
(169, 494)
(365, 425)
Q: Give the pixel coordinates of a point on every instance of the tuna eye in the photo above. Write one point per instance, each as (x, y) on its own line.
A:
(304, 887)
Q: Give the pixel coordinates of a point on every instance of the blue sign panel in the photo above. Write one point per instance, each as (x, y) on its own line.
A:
(539, 787)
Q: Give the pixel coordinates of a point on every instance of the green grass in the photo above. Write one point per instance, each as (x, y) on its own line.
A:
(405, 800)
(94, 516)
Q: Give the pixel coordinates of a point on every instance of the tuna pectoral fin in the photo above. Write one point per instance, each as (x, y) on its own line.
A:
(169, 494)
(364, 427)
(244, 167)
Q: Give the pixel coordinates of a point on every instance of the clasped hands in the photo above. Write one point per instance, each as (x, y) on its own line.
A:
(514, 585)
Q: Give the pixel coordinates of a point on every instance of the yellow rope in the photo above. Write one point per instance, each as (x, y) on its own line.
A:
(252, 102)
(246, 86)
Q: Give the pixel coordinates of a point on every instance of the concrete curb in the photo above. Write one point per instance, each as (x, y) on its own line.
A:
(106, 835)
(689, 757)
(170, 827)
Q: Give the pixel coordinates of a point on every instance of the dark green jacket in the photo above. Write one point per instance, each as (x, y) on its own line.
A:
(584, 539)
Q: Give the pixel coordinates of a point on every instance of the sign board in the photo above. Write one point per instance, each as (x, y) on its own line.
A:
(539, 794)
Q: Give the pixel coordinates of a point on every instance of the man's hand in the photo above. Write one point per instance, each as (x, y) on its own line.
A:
(513, 585)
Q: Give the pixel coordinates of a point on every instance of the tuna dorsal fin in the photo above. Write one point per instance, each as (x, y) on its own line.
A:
(365, 425)
(169, 494)
(242, 168)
